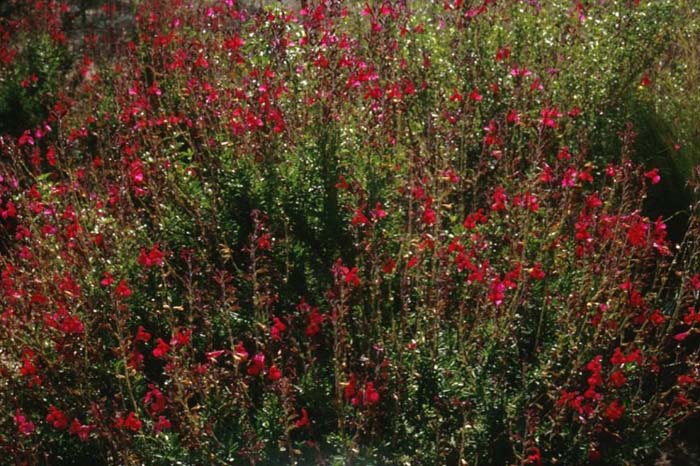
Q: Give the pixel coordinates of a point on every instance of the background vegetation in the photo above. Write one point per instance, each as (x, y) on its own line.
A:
(459, 232)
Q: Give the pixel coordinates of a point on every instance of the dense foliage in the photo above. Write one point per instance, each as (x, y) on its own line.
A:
(383, 233)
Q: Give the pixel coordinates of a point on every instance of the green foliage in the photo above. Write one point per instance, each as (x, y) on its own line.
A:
(27, 90)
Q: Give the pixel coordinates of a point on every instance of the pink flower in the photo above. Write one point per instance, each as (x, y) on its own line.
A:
(653, 176)
(569, 179)
(549, 117)
(257, 364)
(497, 291)
(107, 279)
(24, 426)
(378, 213)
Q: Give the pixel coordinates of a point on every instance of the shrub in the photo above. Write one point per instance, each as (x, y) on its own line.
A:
(389, 233)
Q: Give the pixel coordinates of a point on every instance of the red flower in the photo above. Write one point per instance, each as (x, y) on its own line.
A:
(135, 360)
(122, 290)
(351, 277)
(371, 394)
(637, 233)
(695, 282)
(502, 53)
(79, 429)
(471, 221)
(547, 174)
(618, 379)
(162, 424)
(57, 418)
(26, 139)
(162, 349)
(182, 337)
(657, 318)
(264, 242)
(345, 274)
(569, 179)
(513, 117)
(389, 266)
(684, 380)
(536, 272)
(142, 335)
(212, 355)
(617, 357)
(594, 455)
(614, 411)
(303, 419)
(359, 218)
(131, 422)
(240, 354)
(534, 456)
(274, 374)
(499, 199)
(350, 389)
(278, 327)
(155, 398)
(314, 324)
(593, 201)
(28, 365)
(152, 258)
(429, 216)
(692, 316)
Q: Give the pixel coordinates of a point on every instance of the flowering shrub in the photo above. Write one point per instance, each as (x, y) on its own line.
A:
(390, 232)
